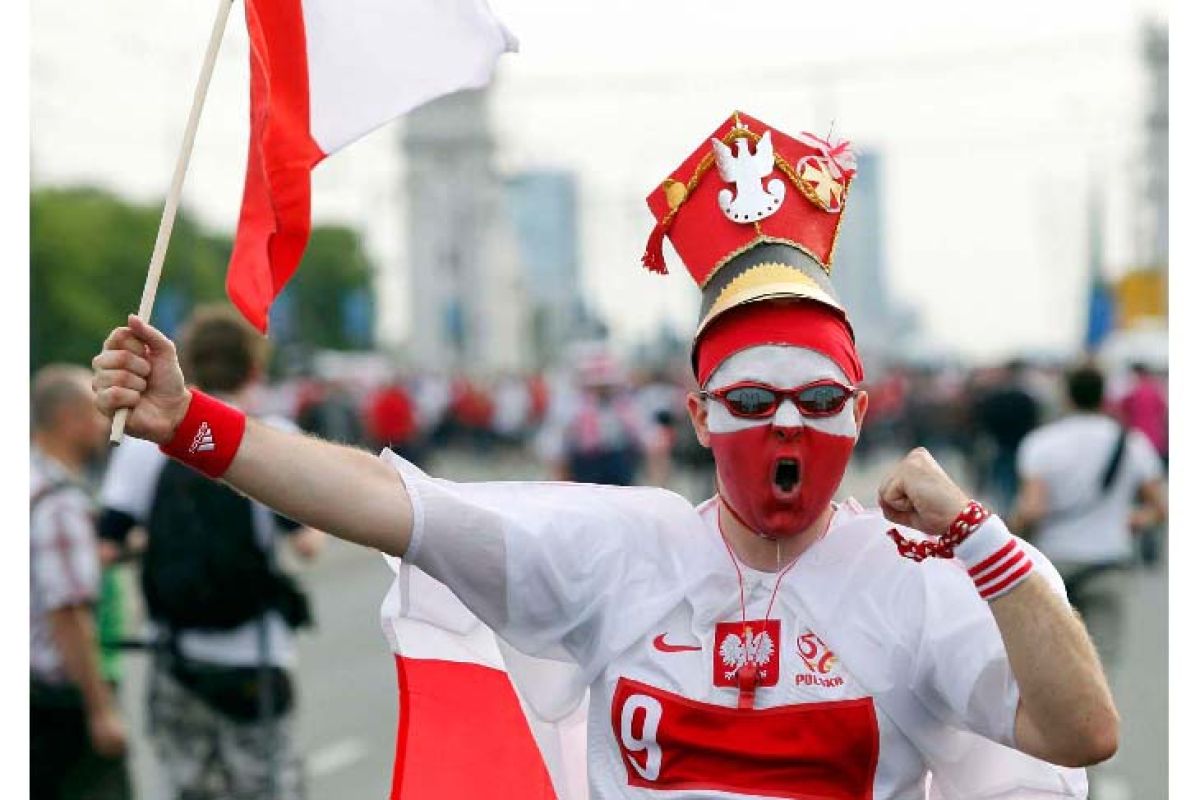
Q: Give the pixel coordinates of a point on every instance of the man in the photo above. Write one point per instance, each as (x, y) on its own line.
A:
(596, 432)
(1144, 408)
(391, 419)
(1087, 485)
(1005, 415)
(77, 738)
(220, 694)
(770, 643)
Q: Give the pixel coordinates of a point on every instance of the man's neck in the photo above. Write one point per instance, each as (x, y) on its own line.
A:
(60, 452)
(768, 555)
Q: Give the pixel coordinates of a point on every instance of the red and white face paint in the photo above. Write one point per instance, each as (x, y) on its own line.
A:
(778, 475)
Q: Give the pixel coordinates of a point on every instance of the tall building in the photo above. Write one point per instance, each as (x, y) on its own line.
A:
(860, 269)
(468, 298)
(1155, 54)
(544, 209)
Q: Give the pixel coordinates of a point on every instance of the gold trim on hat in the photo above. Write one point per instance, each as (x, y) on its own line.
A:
(767, 280)
(770, 240)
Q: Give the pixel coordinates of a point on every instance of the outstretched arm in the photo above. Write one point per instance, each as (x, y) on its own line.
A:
(1066, 713)
(347, 492)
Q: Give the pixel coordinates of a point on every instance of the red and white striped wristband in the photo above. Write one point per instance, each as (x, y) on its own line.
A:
(994, 558)
(208, 437)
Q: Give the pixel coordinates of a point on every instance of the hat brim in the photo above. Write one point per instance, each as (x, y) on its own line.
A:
(770, 281)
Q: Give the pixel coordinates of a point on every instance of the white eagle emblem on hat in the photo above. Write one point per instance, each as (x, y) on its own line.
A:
(746, 171)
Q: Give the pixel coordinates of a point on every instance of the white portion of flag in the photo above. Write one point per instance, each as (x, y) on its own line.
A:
(369, 61)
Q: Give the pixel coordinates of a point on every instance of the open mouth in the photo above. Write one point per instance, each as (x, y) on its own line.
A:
(786, 476)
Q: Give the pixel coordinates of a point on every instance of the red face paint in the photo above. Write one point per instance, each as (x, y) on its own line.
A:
(778, 481)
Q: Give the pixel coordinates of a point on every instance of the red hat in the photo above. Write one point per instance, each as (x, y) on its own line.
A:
(754, 214)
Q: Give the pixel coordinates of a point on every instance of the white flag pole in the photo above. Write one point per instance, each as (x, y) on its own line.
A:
(172, 204)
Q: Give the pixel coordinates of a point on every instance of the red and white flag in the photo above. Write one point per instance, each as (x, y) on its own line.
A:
(322, 74)
(464, 731)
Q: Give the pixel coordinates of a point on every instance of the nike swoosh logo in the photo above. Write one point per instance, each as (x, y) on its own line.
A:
(660, 644)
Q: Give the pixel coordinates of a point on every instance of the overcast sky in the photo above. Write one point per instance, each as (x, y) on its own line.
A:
(991, 119)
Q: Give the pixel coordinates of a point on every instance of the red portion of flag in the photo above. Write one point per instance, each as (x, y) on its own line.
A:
(811, 750)
(274, 225)
(462, 734)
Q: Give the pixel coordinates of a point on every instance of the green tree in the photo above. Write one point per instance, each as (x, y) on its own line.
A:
(335, 266)
(88, 252)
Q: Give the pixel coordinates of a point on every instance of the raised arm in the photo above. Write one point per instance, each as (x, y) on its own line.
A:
(1066, 713)
(346, 492)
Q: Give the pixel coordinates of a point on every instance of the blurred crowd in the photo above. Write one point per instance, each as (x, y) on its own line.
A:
(634, 419)
(983, 414)
(1072, 456)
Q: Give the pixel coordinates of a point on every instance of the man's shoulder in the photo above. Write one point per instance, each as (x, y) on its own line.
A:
(50, 484)
(1063, 433)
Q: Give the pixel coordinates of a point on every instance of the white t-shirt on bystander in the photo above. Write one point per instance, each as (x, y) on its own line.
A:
(1084, 525)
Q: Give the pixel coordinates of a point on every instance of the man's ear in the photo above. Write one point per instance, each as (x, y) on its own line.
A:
(860, 409)
(698, 411)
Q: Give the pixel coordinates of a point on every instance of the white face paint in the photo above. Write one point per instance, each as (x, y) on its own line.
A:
(783, 367)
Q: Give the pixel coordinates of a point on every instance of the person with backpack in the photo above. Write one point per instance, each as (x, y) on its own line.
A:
(1088, 485)
(222, 611)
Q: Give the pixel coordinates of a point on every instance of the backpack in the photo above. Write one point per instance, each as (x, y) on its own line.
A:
(204, 567)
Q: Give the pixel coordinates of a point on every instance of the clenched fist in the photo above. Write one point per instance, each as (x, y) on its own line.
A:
(139, 370)
(919, 494)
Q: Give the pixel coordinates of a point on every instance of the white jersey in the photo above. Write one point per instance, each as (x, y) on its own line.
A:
(868, 667)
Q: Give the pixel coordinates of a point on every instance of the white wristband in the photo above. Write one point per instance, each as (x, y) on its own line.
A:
(994, 558)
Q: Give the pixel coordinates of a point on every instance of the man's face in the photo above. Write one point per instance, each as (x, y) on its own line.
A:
(778, 474)
(84, 426)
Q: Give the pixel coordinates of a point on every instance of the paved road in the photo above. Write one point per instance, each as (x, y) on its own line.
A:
(347, 711)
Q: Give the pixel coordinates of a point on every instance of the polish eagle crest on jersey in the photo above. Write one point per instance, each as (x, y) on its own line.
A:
(755, 642)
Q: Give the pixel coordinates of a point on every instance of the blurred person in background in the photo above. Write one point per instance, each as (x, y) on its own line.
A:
(510, 421)
(1089, 485)
(930, 414)
(659, 399)
(77, 738)
(1004, 415)
(884, 424)
(221, 696)
(390, 417)
(470, 412)
(1143, 407)
(539, 398)
(431, 396)
(597, 433)
(329, 410)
